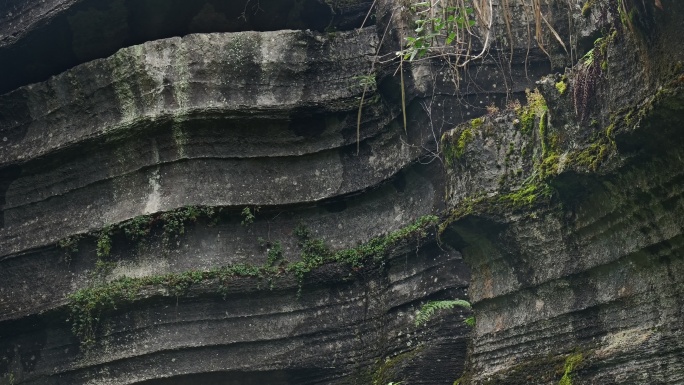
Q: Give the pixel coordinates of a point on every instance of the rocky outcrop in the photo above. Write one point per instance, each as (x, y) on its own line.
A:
(569, 214)
(41, 39)
(200, 209)
(227, 192)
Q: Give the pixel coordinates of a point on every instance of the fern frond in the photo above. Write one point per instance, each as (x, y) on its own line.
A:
(470, 321)
(429, 309)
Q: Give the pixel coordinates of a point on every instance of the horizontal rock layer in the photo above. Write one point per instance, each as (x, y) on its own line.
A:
(41, 39)
(252, 332)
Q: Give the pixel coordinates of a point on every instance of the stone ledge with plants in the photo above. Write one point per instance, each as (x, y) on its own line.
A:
(88, 305)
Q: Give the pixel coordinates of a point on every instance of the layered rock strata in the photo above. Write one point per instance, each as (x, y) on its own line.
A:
(200, 198)
(171, 211)
(569, 214)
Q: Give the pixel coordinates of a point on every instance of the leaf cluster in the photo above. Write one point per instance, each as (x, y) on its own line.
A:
(435, 32)
(429, 309)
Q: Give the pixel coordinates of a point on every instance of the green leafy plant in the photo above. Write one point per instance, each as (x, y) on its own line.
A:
(434, 31)
(174, 221)
(429, 309)
(104, 242)
(248, 215)
(138, 227)
(450, 28)
(302, 232)
(275, 254)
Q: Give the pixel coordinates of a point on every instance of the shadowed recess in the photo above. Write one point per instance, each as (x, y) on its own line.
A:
(276, 377)
(92, 29)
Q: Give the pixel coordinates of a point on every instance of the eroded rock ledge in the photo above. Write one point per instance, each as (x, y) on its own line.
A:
(195, 209)
(45, 38)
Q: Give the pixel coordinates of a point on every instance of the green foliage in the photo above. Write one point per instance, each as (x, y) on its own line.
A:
(594, 155)
(436, 30)
(315, 253)
(275, 254)
(534, 109)
(588, 58)
(527, 195)
(138, 227)
(571, 363)
(172, 224)
(248, 215)
(87, 306)
(454, 150)
(301, 232)
(561, 86)
(377, 248)
(367, 81)
(429, 309)
(470, 321)
(104, 242)
(70, 246)
(477, 122)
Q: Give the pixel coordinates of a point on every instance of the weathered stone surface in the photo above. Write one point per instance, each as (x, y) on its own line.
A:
(255, 332)
(222, 121)
(341, 224)
(594, 270)
(126, 256)
(39, 39)
(163, 121)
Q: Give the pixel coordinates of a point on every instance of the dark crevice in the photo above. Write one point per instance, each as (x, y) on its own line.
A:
(7, 176)
(93, 29)
(275, 377)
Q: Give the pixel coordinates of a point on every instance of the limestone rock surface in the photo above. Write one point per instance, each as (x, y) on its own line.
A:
(226, 192)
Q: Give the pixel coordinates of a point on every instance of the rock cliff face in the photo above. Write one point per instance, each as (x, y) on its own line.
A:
(171, 201)
(569, 214)
(190, 193)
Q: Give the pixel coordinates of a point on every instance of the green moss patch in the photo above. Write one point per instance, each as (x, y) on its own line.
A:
(89, 305)
(572, 362)
(535, 109)
(454, 147)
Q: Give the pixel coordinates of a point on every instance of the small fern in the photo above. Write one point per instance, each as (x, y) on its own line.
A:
(429, 309)
(470, 321)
